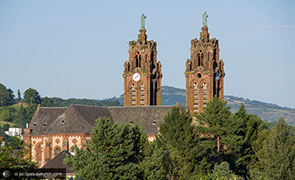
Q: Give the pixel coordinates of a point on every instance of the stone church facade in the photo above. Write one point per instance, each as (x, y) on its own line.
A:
(55, 129)
(204, 72)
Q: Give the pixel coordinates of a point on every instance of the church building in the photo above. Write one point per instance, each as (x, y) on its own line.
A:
(58, 129)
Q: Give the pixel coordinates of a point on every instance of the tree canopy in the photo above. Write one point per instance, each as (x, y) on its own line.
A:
(6, 96)
(276, 158)
(31, 96)
(114, 152)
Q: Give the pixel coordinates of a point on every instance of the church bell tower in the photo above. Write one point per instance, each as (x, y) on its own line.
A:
(142, 73)
(204, 71)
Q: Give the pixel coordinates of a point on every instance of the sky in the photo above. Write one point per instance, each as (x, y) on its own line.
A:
(77, 49)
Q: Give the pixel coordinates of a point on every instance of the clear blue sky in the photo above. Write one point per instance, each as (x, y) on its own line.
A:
(77, 49)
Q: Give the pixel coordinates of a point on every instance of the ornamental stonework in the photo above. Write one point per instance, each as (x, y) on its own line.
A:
(204, 72)
(142, 72)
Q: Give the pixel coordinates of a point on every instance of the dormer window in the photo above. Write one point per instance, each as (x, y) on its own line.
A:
(154, 123)
(131, 123)
(62, 121)
(35, 124)
(44, 124)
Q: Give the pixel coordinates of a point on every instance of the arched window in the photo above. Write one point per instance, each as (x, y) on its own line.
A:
(133, 95)
(195, 97)
(141, 94)
(205, 94)
(200, 58)
(38, 154)
(138, 60)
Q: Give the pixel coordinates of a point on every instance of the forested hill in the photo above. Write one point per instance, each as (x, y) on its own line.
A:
(267, 111)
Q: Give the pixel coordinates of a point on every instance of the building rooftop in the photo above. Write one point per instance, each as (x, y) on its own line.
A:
(81, 118)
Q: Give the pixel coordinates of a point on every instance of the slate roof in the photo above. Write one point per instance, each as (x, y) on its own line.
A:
(81, 119)
(44, 117)
(57, 162)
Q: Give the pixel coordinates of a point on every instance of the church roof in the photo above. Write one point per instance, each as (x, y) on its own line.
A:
(57, 162)
(80, 118)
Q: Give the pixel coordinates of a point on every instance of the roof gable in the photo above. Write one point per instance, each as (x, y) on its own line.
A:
(44, 117)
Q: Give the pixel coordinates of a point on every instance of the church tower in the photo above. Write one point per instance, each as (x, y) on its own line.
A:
(204, 71)
(142, 73)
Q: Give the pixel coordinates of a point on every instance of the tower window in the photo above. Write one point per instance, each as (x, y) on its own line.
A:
(205, 94)
(199, 75)
(133, 95)
(195, 97)
(200, 58)
(138, 60)
(141, 94)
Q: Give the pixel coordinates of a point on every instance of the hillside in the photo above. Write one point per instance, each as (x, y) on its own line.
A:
(267, 111)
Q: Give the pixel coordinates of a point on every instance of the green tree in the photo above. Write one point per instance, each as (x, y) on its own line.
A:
(13, 156)
(21, 116)
(155, 164)
(6, 96)
(114, 152)
(19, 98)
(218, 134)
(276, 158)
(6, 127)
(48, 102)
(220, 172)
(177, 139)
(30, 110)
(248, 128)
(6, 114)
(31, 96)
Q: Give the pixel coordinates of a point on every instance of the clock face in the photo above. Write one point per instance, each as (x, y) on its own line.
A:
(136, 77)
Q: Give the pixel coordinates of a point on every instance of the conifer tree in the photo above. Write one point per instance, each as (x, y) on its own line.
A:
(246, 128)
(276, 158)
(155, 164)
(217, 136)
(177, 139)
(114, 152)
(19, 98)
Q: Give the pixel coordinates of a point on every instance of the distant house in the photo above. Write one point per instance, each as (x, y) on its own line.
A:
(55, 129)
(15, 132)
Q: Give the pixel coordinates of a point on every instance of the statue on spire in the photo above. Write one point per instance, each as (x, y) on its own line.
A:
(142, 22)
(205, 16)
